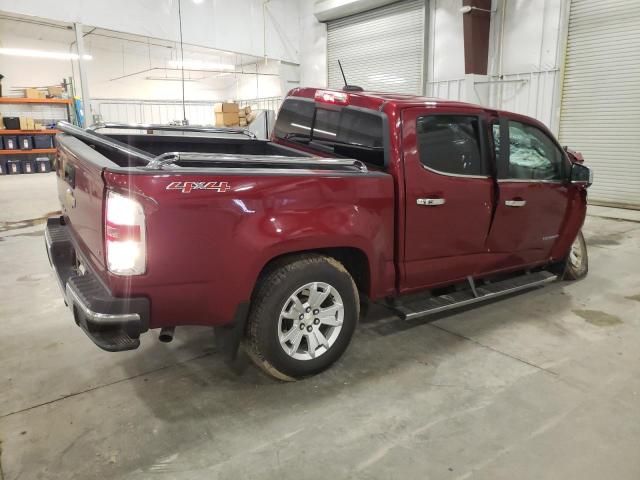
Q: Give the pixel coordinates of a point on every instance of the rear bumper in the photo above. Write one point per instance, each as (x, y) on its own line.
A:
(112, 323)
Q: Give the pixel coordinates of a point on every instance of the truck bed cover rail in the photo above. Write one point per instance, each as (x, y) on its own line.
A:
(170, 158)
(170, 128)
(271, 160)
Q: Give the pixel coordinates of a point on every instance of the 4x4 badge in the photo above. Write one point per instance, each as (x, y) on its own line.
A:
(187, 187)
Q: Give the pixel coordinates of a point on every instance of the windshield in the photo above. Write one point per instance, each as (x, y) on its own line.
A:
(341, 131)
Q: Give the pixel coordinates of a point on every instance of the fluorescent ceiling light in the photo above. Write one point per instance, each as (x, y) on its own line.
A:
(25, 52)
(200, 65)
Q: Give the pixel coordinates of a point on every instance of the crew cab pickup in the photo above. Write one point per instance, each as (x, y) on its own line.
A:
(422, 204)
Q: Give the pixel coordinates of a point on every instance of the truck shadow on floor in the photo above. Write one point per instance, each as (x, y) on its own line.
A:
(383, 345)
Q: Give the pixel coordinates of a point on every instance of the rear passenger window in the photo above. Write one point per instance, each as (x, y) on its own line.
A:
(295, 119)
(450, 144)
(532, 154)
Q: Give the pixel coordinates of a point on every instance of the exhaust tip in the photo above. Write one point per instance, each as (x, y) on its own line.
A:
(166, 334)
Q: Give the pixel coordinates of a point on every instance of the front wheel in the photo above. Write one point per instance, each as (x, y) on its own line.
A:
(578, 261)
(303, 316)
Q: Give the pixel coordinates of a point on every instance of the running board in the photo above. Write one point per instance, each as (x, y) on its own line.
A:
(475, 294)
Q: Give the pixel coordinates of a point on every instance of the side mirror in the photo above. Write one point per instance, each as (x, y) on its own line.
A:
(581, 176)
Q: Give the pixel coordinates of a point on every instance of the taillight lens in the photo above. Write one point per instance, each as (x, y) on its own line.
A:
(125, 239)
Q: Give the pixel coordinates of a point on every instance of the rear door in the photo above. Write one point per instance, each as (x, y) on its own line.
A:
(533, 195)
(448, 193)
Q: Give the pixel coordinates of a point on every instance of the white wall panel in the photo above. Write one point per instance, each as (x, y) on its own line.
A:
(237, 26)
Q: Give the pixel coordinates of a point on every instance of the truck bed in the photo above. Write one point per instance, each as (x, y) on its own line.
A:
(216, 214)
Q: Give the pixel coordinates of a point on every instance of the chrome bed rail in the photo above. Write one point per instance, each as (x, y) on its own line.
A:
(272, 160)
(106, 142)
(171, 128)
(169, 158)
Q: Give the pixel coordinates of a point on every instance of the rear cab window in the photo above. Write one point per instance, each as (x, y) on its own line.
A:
(450, 144)
(348, 132)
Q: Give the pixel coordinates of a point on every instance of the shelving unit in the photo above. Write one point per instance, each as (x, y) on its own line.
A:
(37, 101)
(49, 131)
(33, 151)
(34, 100)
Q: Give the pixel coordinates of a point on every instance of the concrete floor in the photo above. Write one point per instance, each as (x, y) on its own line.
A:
(545, 384)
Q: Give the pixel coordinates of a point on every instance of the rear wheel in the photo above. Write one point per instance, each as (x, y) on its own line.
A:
(303, 316)
(578, 261)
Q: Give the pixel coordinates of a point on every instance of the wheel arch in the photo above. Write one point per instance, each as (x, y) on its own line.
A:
(354, 260)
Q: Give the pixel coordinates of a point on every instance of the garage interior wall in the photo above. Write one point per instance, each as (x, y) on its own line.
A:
(525, 55)
(136, 75)
(600, 114)
(380, 49)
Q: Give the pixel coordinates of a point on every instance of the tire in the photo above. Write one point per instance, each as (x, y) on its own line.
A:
(578, 260)
(276, 316)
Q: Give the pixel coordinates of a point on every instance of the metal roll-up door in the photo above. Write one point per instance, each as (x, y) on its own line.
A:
(380, 50)
(600, 114)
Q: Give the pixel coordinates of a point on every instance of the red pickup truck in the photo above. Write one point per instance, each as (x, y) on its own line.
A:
(422, 204)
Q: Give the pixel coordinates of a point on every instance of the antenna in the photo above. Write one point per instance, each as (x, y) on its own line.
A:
(342, 72)
(347, 87)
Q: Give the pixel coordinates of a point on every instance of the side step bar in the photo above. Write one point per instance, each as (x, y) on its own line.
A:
(428, 306)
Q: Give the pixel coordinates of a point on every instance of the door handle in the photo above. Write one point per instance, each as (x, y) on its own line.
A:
(430, 202)
(515, 203)
(71, 198)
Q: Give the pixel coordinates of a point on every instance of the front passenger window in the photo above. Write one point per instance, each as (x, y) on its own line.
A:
(532, 154)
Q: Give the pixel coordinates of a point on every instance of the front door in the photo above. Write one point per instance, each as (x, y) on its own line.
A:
(448, 195)
(533, 195)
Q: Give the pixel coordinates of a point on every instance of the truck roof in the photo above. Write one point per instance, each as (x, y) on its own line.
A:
(400, 101)
(375, 100)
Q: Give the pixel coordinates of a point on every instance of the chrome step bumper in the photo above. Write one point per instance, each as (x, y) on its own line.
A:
(112, 323)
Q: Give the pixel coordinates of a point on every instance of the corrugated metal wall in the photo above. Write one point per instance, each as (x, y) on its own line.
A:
(380, 50)
(165, 111)
(600, 113)
(528, 93)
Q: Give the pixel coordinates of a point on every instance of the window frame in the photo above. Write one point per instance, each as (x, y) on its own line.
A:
(482, 143)
(386, 144)
(503, 160)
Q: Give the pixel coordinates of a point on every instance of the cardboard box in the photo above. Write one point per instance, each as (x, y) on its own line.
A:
(243, 122)
(34, 93)
(247, 110)
(55, 91)
(226, 108)
(228, 119)
(27, 123)
(242, 113)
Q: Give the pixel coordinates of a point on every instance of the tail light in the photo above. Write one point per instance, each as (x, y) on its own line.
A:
(125, 238)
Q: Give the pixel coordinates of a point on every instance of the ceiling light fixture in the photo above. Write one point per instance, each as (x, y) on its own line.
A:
(25, 52)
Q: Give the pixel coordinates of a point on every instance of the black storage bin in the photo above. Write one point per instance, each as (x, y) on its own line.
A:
(14, 165)
(43, 165)
(11, 123)
(25, 142)
(10, 142)
(42, 141)
(3, 166)
(28, 165)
